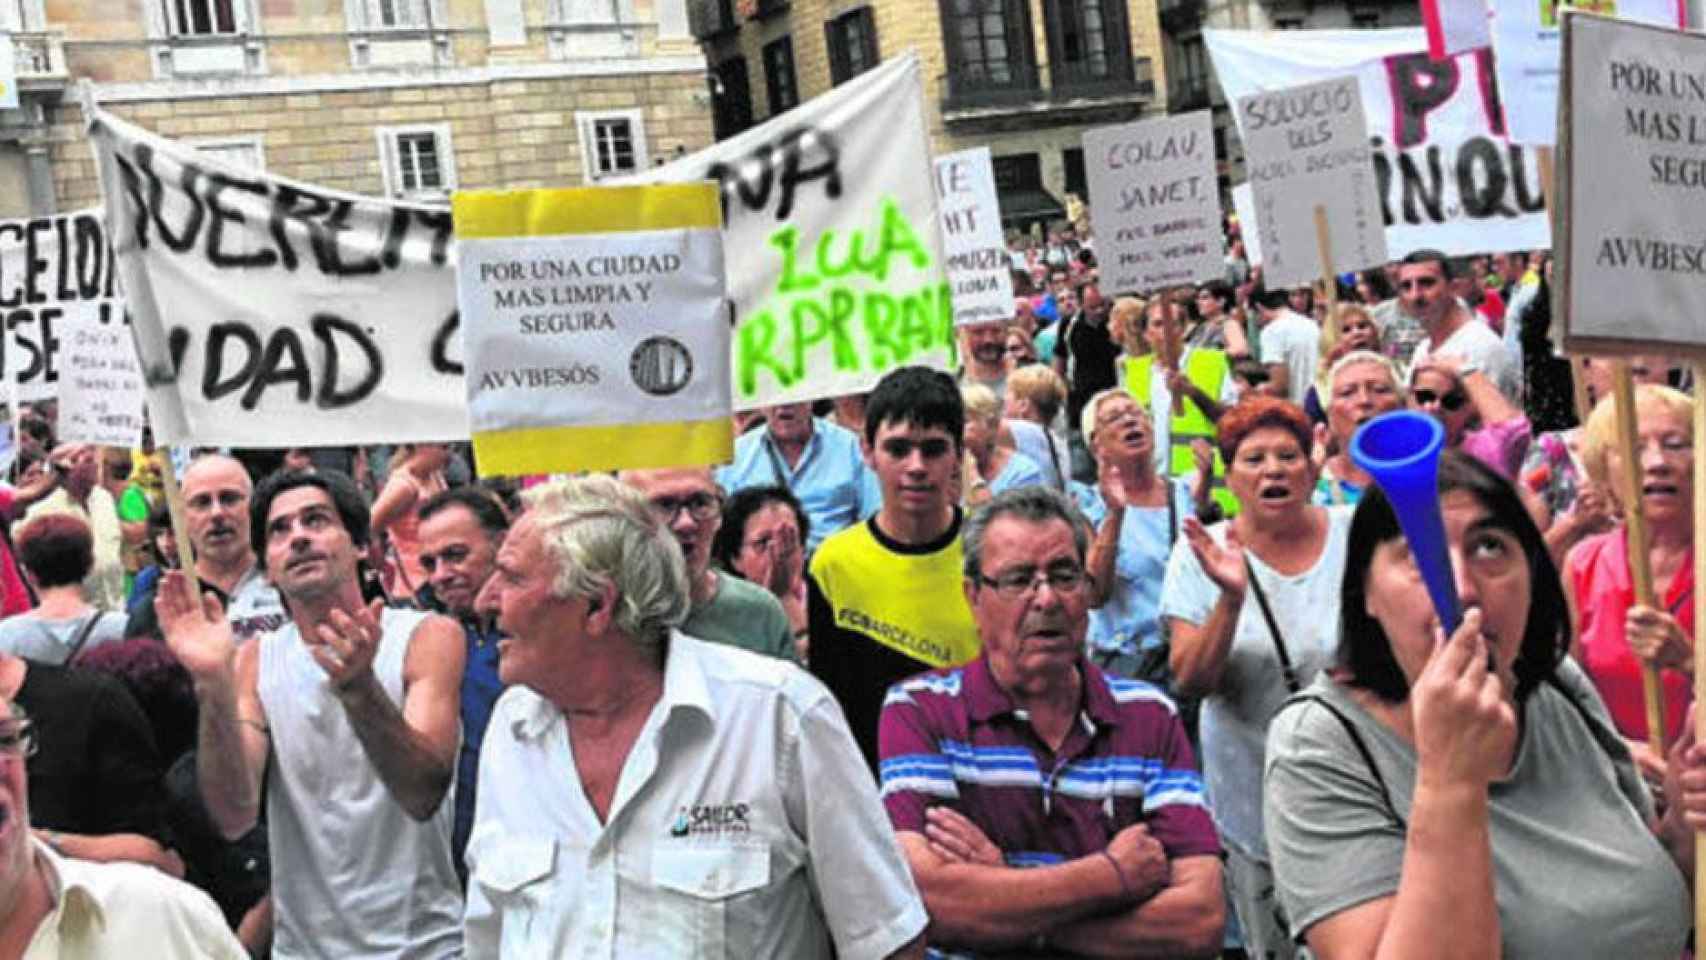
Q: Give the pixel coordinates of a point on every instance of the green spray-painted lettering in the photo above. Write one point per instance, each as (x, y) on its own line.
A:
(835, 307)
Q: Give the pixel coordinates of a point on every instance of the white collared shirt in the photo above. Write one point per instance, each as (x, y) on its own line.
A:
(745, 824)
(126, 910)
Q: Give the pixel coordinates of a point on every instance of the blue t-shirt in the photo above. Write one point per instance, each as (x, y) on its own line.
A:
(832, 481)
(1020, 471)
(480, 690)
(1130, 619)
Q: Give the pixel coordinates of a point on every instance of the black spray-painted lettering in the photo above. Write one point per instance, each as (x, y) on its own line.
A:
(797, 158)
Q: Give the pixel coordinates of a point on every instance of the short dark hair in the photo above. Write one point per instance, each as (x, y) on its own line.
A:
(919, 397)
(480, 502)
(1270, 298)
(725, 546)
(1219, 290)
(346, 498)
(1429, 255)
(1377, 283)
(1365, 652)
(57, 549)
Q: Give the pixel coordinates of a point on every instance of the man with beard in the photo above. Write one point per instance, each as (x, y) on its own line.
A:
(345, 719)
(1046, 808)
(820, 464)
(216, 492)
(725, 609)
(52, 906)
(983, 355)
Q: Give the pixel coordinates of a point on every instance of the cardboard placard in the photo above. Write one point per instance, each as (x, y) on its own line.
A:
(974, 250)
(54, 271)
(1155, 203)
(1307, 147)
(100, 392)
(1632, 178)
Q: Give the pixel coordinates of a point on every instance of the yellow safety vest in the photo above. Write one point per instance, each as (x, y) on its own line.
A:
(1208, 370)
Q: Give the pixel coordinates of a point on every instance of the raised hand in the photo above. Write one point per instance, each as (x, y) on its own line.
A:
(195, 627)
(345, 647)
(1595, 511)
(1110, 483)
(1223, 564)
(1655, 636)
(958, 840)
(1142, 861)
(1465, 726)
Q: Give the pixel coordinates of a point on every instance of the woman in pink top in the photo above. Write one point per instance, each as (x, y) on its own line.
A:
(417, 473)
(1614, 632)
(1477, 417)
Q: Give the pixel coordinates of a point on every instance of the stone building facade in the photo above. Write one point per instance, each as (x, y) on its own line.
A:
(400, 98)
(1024, 77)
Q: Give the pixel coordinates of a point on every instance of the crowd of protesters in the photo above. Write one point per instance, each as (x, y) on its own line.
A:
(1100, 645)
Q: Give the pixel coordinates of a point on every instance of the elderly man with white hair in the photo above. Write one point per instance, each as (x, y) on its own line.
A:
(646, 794)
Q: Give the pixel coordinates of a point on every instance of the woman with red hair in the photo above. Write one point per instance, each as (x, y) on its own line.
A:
(1251, 607)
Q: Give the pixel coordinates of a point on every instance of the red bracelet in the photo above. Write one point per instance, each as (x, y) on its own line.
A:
(1121, 874)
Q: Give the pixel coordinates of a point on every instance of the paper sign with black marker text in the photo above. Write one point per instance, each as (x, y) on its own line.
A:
(1633, 179)
(980, 271)
(1155, 203)
(53, 271)
(100, 389)
(1307, 147)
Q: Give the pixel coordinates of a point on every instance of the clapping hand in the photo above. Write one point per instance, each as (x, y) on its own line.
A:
(1223, 564)
(345, 647)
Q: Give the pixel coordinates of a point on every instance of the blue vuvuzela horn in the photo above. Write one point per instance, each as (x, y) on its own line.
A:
(1401, 451)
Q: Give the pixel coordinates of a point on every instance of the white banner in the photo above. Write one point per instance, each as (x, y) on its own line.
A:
(980, 271)
(1306, 148)
(834, 259)
(1455, 26)
(1155, 203)
(270, 313)
(1634, 263)
(1244, 202)
(1446, 177)
(54, 271)
(100, 395)
(1525, 41)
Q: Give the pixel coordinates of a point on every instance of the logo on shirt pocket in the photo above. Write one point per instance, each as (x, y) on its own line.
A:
(712, 820)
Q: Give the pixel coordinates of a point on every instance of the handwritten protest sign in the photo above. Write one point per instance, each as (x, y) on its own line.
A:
(596, 330)
(1244, 202)
(53, 271)
(1445, 175)
(1525, 47)
(980, 272)
(1631, 175)
(272, 313)
(100, 393)
(1307, 147)
(1155, 203)
(834, 259)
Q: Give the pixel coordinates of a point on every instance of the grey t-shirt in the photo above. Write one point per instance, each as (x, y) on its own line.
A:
(743, 615)
(1576, 871)
(51, 641)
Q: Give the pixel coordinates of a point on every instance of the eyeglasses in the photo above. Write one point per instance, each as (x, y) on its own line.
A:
(699, 506)
(17, 736)
(1016, 584)
(1451, 401)
(1123, 413)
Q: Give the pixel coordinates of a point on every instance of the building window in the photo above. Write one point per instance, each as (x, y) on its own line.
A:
(988, 41)
(779, 81)
(1083, 35)
(1076, 181)
(243, 153)
(201, 18)
(417, 161)
(613, 142)
(852, 44)
(1366, 21)
(1288, 23)
(1022, 171)
(398, 14)
(732, 98)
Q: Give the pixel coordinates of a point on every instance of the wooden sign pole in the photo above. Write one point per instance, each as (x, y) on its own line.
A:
(1329, 279)
(1699, 618)
(180, 526)
(1640, 567)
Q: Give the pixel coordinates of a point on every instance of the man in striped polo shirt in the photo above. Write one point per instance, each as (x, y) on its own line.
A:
(1046, 807)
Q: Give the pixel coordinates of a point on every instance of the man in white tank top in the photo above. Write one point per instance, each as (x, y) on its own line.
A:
(356, 708)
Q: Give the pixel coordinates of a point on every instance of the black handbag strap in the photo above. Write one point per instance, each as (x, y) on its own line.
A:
(776, 468)
(83, 634)
(1290, 672)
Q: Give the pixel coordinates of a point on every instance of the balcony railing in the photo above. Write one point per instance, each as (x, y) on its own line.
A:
(711, 18)
(39, 56)
(1187, 93)
(1023, 87)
